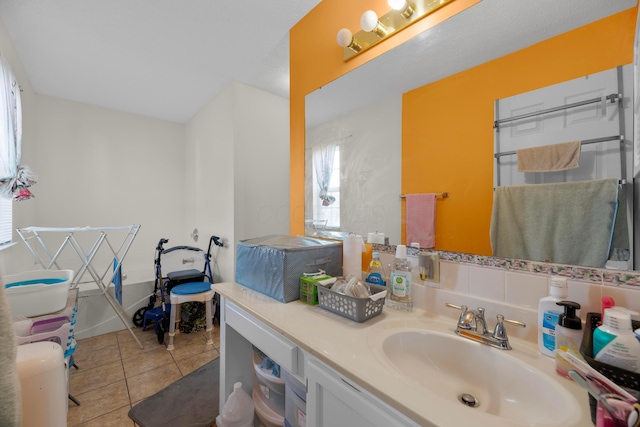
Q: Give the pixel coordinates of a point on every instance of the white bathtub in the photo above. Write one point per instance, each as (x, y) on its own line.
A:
(96, 316)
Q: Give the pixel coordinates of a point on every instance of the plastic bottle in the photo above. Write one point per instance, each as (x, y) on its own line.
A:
(376, 274)
(239, 410)
(615, 343)
(548, 313)
(399, 287)
(568, 335)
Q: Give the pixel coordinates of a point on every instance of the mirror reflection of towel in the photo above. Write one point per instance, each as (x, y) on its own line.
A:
(569, 223)
(421, 219)
(549, 158)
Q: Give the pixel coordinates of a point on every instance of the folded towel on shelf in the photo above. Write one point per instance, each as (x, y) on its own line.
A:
(421, 219)
(549, 158)
(567, 223)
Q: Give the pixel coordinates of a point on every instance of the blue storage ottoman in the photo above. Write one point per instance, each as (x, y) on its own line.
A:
(273, 264)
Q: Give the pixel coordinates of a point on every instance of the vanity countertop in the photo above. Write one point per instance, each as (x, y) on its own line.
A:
(349, 348)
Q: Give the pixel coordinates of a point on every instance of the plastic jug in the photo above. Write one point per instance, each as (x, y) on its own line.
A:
(239, 410)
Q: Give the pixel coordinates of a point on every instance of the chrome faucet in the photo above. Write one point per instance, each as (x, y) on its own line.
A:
(472, 325)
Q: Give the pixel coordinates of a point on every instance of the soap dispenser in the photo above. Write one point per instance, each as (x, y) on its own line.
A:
(568, 335)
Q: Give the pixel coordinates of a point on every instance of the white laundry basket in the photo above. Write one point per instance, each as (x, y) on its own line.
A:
(38, 292)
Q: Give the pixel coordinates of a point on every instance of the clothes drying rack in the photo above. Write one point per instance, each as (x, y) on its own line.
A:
(33, 238)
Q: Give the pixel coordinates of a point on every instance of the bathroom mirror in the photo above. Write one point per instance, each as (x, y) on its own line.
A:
(365, 105)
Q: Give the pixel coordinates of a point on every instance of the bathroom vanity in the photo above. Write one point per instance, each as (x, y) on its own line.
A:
(356, 374)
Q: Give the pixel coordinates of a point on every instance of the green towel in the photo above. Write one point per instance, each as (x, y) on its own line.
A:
(569, 223)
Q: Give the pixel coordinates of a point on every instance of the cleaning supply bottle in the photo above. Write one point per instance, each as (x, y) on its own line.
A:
(376, 274)
(239, 409)
(399, 288)
(548, 313)
(568, 335)
(615, 343)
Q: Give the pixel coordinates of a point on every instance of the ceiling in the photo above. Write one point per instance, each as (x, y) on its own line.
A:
(167, 59)
(164, 59)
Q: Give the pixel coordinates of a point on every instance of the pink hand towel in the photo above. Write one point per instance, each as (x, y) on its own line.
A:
(421, 219)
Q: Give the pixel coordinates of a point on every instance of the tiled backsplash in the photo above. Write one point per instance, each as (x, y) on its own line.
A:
(514, 287)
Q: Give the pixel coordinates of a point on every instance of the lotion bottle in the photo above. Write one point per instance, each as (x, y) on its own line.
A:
(568, 335)
(548, 313)
(615, 343)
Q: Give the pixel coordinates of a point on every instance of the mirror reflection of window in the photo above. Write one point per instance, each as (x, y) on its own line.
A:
(326, 205)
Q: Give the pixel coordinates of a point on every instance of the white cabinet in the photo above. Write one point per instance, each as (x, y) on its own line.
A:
(333, 400)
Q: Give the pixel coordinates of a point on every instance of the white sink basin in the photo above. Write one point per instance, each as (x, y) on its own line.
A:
(493, 382)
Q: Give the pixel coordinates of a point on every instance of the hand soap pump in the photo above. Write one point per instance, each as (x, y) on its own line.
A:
(568, 335)
(548, 313)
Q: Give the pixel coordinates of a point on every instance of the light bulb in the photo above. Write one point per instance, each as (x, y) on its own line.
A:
(401, 6)
(397, 4)
(345, 37)
(369, 20)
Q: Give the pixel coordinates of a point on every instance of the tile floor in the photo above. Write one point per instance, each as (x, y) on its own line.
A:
(115, 373)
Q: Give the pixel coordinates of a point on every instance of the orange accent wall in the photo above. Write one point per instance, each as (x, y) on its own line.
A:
(447, 125)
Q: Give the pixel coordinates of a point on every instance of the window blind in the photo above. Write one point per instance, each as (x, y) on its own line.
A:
(6, 220)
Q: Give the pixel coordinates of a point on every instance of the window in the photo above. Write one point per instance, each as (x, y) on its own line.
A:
(10, 145)
(330, 213)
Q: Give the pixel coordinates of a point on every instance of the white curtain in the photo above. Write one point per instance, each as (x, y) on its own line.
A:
(15, 179)
(323, 164)
(11, 128)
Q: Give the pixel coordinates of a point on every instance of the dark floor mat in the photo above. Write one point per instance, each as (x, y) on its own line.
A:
(192, 401)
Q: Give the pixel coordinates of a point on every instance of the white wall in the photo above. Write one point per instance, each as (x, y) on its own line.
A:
(209, 179)
(101, 168)
(237, 169)
(261, 163)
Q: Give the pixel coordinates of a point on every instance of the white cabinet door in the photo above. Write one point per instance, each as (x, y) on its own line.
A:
(333, 401)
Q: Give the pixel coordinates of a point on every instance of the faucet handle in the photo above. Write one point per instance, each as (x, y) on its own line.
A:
(462, 308)
(466, 317)
(500, 332)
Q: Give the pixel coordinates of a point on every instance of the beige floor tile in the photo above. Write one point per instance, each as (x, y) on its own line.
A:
(146, 361)
(184, 349)
(131, 348)
(88, 359)
(117, 418)
(87, 378)
(98, 402)
(144, 385)
(192, 363)
(97, 342)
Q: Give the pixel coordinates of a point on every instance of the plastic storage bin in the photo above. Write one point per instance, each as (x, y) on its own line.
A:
(268, 387)
(38, 292)
(265, 416)
(295, 401)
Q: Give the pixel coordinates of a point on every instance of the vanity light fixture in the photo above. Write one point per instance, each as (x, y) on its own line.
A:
(346, 40)
(369, 22)
(401, 6)
(375, 29)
